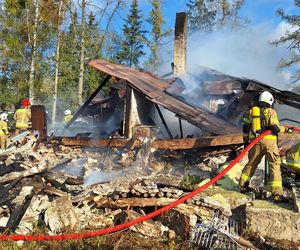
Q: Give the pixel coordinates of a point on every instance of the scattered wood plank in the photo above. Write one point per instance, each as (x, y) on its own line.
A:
(54, 191)
(34, 170)
(148, 228)
(22, 203)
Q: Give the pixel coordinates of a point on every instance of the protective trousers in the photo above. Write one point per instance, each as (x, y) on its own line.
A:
(269, 149)
(293, 158)
(3, 141)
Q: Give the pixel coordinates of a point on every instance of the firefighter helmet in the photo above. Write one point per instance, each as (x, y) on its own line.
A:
(3, 117)
(67, 112)
(267, 97)
(26, 102)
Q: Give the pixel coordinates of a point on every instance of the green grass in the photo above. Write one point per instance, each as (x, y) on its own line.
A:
(122, 240)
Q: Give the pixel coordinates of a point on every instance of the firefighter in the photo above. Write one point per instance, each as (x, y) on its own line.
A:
(3, 131)
(259, 119)
(22, 116)
(68, 116)
(292, 157)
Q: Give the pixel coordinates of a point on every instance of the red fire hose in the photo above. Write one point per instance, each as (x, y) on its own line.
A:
(142, 218)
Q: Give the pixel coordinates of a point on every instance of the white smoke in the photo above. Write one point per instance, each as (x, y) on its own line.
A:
(243, 52)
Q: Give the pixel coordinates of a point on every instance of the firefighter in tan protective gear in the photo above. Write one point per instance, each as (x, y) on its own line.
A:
(292, 157)
(22, 116)
(261, 118)
(68, 116)
(3, 131)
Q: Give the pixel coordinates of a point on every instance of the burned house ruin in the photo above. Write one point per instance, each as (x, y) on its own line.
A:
(137, 150)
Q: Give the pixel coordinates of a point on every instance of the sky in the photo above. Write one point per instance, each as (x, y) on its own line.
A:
(249, 51)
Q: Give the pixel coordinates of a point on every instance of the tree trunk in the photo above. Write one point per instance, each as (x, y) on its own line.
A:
(57, 60)
(34, 53)
(82, 44)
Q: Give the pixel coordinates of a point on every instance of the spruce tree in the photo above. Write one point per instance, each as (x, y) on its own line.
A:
(292, 39)
(69, 64)
(132, 46)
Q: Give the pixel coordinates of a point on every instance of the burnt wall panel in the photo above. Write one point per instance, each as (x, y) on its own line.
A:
(38, 119)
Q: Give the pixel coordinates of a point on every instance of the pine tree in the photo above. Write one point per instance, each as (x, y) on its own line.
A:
(156, 20)
(134, 38)
(292, 38)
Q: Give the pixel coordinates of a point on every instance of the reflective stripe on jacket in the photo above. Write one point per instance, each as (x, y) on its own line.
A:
(292, 156)
(22, 117)
(270, 118)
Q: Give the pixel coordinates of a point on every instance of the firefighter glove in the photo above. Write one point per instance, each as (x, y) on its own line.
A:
(275, 129)
(289, 130)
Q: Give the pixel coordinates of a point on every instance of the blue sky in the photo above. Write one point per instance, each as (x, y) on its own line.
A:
(264, 25)
(257, 11)
(246, 55)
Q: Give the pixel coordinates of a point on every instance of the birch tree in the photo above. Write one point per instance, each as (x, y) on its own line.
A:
(57, 56)
(33, 41)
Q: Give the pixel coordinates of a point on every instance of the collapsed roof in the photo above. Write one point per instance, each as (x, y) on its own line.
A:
(154, 88)
(239, 92)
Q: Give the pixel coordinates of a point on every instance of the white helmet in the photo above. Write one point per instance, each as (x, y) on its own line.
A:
(267, 97)
(3, 117)
(67, 112)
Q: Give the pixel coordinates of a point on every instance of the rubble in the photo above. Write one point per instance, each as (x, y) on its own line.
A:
(53, 185)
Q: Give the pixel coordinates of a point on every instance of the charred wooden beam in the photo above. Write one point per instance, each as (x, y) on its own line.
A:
(4, 190)
(38, 118)
(17, 214)
(180, 127)
(86, 103)
(164, 121)
(117, 143)
(55, 183)
(187, 143)
(32, 171)
(172, 144)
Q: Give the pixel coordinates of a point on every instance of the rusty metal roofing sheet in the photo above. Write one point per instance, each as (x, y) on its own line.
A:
(154, 89)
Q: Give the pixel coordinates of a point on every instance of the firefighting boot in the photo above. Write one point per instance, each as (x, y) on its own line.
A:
(244, 190)
(284, 198)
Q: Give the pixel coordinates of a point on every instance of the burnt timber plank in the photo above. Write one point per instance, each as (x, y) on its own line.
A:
(42, 167)
(186, 143)
(172, 144)
(17, 215)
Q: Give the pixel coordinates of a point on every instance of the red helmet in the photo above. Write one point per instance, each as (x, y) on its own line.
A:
(26, 102)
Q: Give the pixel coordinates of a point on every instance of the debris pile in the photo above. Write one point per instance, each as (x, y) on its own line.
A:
(44, 185)
(81, 189)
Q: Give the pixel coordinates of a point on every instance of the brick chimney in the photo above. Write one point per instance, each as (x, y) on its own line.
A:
(180, 43)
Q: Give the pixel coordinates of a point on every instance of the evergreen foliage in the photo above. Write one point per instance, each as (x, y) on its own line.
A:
(209, 15)
(292, 38)
(132, 47)
(157, 34)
